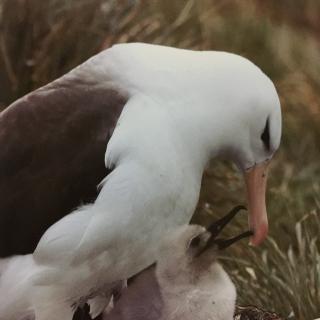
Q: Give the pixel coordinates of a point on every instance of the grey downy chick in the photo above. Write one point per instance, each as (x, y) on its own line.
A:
(186, 282)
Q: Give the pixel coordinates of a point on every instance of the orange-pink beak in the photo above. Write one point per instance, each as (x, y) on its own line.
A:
(256, 182)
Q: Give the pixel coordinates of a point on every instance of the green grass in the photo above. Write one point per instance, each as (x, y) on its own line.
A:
(40, 40)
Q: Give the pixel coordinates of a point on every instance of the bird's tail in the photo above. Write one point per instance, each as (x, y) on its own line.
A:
(15, 287)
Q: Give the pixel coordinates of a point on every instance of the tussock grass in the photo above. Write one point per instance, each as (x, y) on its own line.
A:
(285, 278)
(40, 40)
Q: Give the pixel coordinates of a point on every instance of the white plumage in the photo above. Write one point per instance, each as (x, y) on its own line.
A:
(184, 108)
(15, 284)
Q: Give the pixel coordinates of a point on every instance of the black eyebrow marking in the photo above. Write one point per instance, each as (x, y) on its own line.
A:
(265, 136)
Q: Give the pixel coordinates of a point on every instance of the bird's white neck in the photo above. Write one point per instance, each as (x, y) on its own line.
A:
(156, 175)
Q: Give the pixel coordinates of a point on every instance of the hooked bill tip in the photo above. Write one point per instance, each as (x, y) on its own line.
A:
(259, 234)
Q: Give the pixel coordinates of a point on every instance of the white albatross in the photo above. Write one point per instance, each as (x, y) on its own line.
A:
(182, 108)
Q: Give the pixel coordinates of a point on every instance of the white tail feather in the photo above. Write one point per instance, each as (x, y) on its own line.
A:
(15, 287)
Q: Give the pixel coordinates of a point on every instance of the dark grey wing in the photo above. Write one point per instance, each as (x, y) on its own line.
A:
(52, 147)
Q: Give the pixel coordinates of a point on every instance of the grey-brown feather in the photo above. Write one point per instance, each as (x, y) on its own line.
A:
(52, 145)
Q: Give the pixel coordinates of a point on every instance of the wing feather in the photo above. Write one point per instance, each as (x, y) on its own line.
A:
(52, 145)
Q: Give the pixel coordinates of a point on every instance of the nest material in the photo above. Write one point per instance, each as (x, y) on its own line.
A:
(254, 313)
(241, 313)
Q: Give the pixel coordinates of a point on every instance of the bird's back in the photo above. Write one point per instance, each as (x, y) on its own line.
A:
(52, 144)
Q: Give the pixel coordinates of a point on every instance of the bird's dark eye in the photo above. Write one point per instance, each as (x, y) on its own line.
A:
(195, 242)
(265, 136)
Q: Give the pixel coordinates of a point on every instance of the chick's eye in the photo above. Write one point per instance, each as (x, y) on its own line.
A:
(195, 242)
(265, 136)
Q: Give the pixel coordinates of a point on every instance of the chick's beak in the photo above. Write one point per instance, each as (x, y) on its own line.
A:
(215, 228)
(256, 181)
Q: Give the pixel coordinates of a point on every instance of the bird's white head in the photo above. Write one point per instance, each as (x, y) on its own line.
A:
(193, 286)
(254, 135)
(217, 104)
(195, 248)
(241, 121)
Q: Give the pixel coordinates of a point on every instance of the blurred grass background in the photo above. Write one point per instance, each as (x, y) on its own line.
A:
(41, 40)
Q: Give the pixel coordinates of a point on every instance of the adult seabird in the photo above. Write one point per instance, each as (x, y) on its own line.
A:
(199, 289)
(180, 109)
